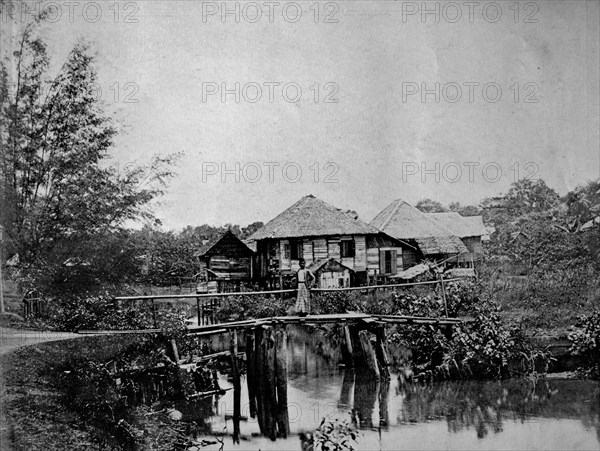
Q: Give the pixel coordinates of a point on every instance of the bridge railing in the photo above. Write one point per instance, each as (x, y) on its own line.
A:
(208, 303)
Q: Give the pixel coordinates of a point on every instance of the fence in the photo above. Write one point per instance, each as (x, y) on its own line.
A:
(207, 304)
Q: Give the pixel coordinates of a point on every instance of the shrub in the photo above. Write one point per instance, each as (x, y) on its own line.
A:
(331, 435)
(99, 312)
(236, 308)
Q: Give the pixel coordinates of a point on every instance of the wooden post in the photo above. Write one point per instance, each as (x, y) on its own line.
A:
(444, 295)
(174, 349)
(259, 378)
(349, 347)
(198, 310)
(250, 372)
(283, 421)
(236, 385)
(369, 353)
(384, 417)
(154, 314)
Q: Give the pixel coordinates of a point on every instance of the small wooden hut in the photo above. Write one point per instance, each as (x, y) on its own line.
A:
(226, 260)
(331, 274)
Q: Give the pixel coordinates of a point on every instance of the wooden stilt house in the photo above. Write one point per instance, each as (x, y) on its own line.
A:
(325, 237)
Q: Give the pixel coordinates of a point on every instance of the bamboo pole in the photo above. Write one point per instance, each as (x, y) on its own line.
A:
(154, 313)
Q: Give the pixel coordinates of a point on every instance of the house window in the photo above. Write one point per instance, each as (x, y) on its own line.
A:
(286, 251)
(347, 248)
(297, 250)
(387, 261)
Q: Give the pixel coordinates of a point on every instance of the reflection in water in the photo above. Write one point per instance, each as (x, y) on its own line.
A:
(392, 415)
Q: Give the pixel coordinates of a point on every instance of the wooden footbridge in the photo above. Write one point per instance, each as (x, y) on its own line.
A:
(363, 344)
(263, 343)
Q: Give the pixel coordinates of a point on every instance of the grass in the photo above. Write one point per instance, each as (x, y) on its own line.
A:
(36, 417)
(549, 312)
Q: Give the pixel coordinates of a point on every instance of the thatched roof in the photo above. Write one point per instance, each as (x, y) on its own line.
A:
(461, 226)
(228, 238)
(405, 222)
(313, 217)
(251, 244)
(433, 245)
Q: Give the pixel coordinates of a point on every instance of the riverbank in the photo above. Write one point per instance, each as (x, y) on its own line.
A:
(36, 417)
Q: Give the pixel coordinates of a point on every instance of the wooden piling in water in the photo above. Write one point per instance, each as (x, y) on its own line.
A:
(381, 353)
(384, 417)
(236, 386)
(261, 412)
(369, 353)
(283, 421)
(250, 373)
(270, 390)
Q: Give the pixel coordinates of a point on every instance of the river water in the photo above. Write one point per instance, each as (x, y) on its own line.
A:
(551, 414)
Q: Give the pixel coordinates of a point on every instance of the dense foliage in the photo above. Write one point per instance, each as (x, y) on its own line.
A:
(586, 344)
(484, 347)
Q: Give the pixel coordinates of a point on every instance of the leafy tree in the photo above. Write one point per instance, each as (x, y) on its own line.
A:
(430, 206)
(250, 229)
(583, 203)
(466, 210)
(525, 196)
(57, 193)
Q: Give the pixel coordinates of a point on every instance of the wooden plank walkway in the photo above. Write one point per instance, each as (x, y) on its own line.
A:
(341, 318)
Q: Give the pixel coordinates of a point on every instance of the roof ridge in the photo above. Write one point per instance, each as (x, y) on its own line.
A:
(386, 222)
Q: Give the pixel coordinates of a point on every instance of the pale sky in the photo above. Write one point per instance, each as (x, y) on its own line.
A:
(379, 135)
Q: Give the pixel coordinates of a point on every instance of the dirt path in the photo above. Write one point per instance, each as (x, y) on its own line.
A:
(11, 339)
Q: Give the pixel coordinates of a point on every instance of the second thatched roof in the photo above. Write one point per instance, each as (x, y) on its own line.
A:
(405, 222)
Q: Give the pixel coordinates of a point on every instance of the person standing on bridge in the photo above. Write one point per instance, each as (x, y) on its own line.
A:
(305, 280)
